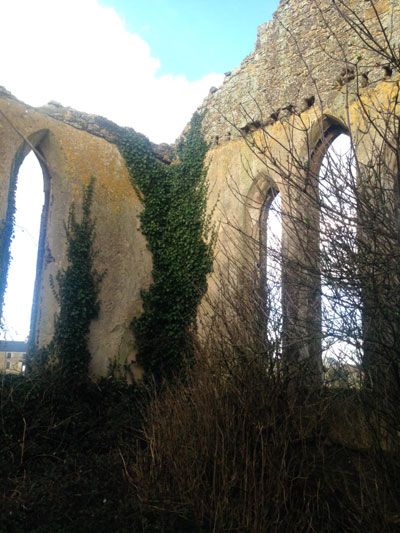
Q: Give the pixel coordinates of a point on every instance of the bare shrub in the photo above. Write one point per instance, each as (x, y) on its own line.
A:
(235, 447)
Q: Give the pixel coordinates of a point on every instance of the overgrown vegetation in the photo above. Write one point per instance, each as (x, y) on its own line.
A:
(62, 455)
(230, 449)
(178, 233)
(231, 445)
(77, 294)
(240, 451)
(7, 233)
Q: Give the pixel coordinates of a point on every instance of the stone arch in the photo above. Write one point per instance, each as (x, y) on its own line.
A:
(271, 193)
(322, 135)
(338, 247)
(300, 295)
(321, 127)
(73, 154)
(258, 198)
(33, 142)
(265, 196)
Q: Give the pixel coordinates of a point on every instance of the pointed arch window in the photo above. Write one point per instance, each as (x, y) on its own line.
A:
(26, 216)
(340, 293)
(273, 267)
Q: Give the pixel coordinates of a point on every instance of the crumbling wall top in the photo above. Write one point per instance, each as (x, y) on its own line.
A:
(298, 61)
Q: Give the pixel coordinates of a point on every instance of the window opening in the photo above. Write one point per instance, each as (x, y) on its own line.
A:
(29, 200)
(274, 269)
(340, 295)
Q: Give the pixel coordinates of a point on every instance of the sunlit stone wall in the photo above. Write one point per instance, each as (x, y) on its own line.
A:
(302, 71)
(306, 75)
(71, 157)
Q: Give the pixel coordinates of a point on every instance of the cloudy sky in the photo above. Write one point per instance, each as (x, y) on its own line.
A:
(141, 63)
(147, 64)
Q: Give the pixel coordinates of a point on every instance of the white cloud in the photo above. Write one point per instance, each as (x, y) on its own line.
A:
(81, 55)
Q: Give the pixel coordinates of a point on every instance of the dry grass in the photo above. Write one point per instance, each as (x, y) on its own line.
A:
(245, 453)
(238, 446)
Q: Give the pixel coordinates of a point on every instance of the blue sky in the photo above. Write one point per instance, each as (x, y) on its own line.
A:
(147, 64)
(195, 37)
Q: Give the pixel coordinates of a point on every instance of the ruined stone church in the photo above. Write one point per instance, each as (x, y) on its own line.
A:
(299, 89)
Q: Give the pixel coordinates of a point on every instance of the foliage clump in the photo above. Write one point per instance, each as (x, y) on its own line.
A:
(6, 236)
(62, 455)
(77, 295)
(177, 228)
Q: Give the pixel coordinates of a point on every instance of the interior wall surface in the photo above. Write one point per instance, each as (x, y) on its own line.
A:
(305, 75)
(306, 64)
(309, 72)
(70, 158)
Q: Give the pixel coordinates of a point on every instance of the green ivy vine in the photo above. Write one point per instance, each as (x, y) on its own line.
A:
(77, 294)
(7, 231)
(180, 238)
(6, 234)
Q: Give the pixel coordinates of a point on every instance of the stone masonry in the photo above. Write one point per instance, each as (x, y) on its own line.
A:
(306, 66)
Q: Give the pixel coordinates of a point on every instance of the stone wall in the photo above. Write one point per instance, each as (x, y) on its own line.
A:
(305, 74)
(269, 124)
(70, 157)
(299, 61)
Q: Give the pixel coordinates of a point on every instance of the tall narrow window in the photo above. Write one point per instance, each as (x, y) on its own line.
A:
(340, 293)
(29, 200)
(274, 268)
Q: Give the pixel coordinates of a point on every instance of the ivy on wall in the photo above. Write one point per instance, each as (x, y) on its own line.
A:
(180, 238)
(77, 295)
(7, 230)
(6, 233)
